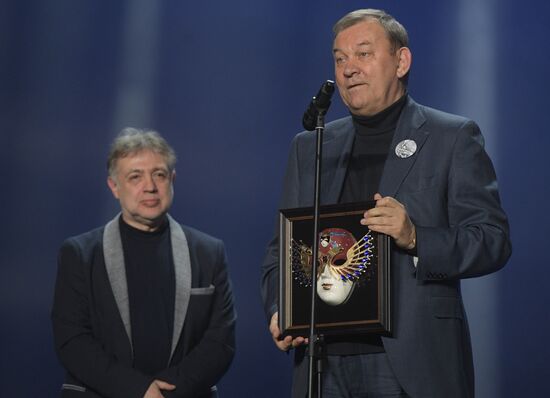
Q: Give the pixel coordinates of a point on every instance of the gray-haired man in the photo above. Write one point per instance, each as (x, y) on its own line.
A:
(436, 196)
(143, 305)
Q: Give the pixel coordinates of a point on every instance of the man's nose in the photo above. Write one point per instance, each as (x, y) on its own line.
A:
(150, 185)
(351, 68)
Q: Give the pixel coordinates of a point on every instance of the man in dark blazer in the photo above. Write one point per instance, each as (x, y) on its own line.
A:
(143, 306)
(436, 197)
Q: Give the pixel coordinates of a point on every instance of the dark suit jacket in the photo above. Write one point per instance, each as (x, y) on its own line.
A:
(449, 189)
(91, 317)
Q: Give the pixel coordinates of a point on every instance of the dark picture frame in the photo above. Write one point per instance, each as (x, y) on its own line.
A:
(367, 307)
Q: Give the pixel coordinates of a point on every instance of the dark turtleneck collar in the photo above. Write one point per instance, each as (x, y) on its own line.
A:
(382, 121)
(139, 233)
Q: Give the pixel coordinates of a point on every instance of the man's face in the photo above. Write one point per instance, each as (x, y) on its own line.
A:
(367, 70)
(143, 185)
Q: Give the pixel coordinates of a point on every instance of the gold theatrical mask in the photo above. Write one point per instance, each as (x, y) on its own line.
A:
(342, 260)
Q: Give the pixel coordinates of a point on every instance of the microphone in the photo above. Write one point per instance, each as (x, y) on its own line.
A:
(318, 105)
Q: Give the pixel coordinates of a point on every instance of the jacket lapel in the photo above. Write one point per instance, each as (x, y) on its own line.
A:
(182, 272)
(116, 271)
(396, 168)
(339, 148)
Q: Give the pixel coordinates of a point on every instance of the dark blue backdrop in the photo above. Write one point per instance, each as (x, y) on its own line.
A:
(226, 83)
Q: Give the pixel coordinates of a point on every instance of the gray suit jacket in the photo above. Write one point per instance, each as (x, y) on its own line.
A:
(450, 192)
(91, 316)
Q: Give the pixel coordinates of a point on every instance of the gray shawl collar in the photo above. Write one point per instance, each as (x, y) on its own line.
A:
(116, 271)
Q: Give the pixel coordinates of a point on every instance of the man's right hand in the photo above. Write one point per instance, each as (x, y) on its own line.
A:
(154, 390)
(287, 343)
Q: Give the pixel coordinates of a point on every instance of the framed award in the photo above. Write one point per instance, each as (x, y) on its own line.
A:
(353, 272)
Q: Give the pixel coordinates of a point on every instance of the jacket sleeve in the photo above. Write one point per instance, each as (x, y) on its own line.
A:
(476, 240)
(270, 266)
(78, 349)
(209, 359)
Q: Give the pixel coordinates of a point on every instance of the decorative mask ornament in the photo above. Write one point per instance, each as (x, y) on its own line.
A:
(341, 261)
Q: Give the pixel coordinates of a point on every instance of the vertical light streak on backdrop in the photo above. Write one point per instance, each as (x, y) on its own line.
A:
(139, 54)
(138, 64)
(476, 98)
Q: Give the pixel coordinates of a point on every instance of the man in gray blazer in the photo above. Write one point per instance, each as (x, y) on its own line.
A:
(436, 197)
(143, 306)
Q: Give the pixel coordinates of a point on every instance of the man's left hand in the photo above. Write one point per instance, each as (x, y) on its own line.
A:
(156, 388)
(390, 217)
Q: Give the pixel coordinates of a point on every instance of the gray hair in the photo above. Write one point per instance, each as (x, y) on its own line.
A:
(131, 140)
(397, 34)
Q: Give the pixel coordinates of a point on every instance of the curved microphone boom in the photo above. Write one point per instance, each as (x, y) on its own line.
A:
(318, 105)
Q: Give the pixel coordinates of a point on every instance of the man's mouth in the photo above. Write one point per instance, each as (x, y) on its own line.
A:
(352, 86)
(326, 286)
(150, 202)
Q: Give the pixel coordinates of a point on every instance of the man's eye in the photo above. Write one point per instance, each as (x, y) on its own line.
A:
(339, 262)
(160, 175)
(133, 177)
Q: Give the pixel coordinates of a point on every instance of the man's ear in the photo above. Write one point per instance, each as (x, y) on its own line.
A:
(113, 186)
(404, 61)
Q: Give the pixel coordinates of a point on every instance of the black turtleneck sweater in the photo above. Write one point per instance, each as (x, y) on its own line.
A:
(373, 138)
(151, 291)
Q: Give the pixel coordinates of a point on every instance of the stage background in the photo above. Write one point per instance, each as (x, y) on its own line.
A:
(227, 83)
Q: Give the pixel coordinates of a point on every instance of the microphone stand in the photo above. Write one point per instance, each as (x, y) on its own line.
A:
(316, 341)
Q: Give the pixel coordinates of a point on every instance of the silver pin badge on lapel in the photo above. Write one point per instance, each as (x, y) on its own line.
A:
(405, 149)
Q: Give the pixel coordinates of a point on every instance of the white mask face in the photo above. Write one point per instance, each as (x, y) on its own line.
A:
(332, 289)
